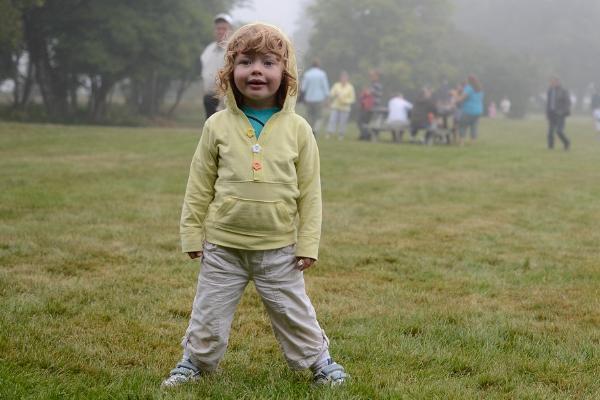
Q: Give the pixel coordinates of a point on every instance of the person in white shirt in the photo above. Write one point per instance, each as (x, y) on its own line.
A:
(213, 59)
(505, 106)
(397, 119)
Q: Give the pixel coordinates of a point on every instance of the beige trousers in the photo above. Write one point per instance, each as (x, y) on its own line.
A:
(223, 277)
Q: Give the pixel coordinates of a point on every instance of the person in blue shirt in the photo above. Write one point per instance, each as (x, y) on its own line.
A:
(471, 108)
(315, 90)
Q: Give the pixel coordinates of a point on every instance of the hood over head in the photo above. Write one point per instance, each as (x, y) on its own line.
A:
(260, 37)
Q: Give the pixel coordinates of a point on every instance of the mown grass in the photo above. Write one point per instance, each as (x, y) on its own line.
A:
(445, 272)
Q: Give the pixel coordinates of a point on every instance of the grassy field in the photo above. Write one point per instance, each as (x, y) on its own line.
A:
(445, 272)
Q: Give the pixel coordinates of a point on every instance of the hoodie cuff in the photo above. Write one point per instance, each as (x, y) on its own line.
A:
(307, 247)
(191, 243)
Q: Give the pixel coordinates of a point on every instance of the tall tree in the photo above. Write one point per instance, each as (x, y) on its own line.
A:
(399, 37)
(95, 45)
(10, 36)
(12, 48)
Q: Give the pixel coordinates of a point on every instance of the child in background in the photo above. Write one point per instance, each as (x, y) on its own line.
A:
(365, 113)
(492, 110)
(254, 174)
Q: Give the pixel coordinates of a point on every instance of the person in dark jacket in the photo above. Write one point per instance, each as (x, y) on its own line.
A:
(373, 96)
(366, 102)
(558, 108)
(423, 115)
(443, 102)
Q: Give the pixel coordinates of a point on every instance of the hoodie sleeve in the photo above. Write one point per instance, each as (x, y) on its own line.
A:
(309, 201)
(199, 193)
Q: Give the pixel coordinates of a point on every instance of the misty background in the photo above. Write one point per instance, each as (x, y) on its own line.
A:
(132, 62)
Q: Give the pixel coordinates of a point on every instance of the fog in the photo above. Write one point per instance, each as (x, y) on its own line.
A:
(284, 14)
(513, 46)
(559, 38)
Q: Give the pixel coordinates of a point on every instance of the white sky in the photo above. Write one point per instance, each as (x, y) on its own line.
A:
(283, 13)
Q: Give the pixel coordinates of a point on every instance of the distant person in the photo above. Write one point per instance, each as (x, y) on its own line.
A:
(252, 211)
(376, 94)
(376, 87)
(315, 90)
(595, 101)
(423, 115)
(471, 109)
(492, 110)
(342, 96)
(505, 106)
(397, 119)
(444, 102)
(558, 108)
(212, 59)
(366, 102)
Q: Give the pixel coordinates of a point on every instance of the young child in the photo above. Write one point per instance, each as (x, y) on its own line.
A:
(252, 210)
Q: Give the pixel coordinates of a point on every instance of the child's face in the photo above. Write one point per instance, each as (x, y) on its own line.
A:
(258, 77)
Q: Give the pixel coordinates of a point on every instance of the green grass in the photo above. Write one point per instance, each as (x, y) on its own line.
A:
(445, 272)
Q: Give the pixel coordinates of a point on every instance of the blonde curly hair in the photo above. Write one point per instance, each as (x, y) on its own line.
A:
(257, 39)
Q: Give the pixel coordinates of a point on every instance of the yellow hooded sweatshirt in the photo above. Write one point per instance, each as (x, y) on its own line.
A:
(254, 194)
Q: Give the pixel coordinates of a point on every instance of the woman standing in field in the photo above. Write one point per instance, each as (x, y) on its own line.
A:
(252, 211)
(471, 109)
(342, 97)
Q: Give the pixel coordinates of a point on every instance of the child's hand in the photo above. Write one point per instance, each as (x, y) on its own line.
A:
(194, 254)
(303, 263)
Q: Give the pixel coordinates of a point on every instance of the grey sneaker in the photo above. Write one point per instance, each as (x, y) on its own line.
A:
(330, 375)
(180, 375)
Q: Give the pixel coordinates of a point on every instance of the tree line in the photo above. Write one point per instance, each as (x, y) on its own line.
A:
(513, 46)
(146, 47)
(149, 48)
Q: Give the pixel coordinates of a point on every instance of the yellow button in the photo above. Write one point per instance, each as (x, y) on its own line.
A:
(250, 133)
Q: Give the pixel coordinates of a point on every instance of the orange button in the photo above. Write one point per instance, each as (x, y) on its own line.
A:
(256, 165)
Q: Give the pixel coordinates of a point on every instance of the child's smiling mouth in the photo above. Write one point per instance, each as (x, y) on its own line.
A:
(256, 82)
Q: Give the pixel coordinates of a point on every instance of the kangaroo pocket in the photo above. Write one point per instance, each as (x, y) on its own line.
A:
(253, 217)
